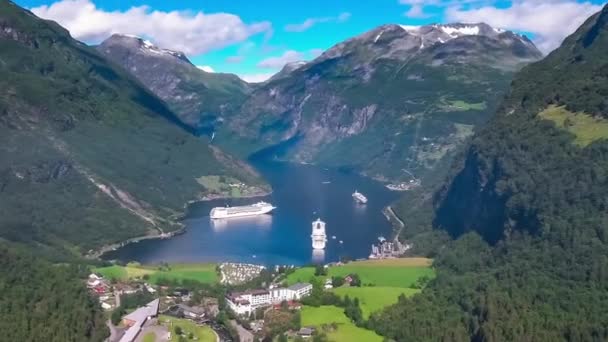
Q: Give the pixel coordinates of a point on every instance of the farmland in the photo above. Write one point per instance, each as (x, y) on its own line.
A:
(204, 273)
(402, 272)
(345, 329)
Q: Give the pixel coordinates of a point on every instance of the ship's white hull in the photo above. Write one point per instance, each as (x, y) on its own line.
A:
(318, 244)
(221, 214)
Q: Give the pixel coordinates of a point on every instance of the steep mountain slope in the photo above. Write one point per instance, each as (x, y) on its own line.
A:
(528, 205)
(45, 302)
(198, 97)
(391, 102)
(88, 156)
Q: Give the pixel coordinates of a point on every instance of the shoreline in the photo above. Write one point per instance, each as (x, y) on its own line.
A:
(174, 219)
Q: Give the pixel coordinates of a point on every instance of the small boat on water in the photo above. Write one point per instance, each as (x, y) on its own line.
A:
(359, 197)
(333, 237)
(341, 241)
(326, 182)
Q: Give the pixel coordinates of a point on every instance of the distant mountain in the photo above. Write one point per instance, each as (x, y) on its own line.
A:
(527, 207)
(89, 156)
(392, 102)
(198, 97)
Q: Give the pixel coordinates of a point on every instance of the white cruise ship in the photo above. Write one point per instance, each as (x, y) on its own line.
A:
(359, 197)
(319, 238)
(259, 208)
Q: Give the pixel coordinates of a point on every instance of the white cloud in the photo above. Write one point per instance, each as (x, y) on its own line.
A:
(550, 21)
(310, 22)
(255, 78)
(279, 61)
(187, 31)
(416, 11)
(205, 68)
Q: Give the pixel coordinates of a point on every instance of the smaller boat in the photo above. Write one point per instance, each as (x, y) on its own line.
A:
(326, 182)
(333, 237)
(359, 197)
(341, 241)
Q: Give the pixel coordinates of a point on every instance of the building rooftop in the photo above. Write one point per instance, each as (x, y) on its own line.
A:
(299, 286)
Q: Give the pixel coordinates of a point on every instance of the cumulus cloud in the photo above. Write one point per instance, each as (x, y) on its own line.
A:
(278, 62)
(550, 21)
(205, 68)
(191, 32)
(255, 78)
(310, 22)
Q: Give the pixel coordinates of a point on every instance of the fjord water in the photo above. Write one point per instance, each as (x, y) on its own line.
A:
(301, 196)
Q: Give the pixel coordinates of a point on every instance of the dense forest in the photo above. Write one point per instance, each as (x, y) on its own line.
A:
(45, 302)
(527, 206)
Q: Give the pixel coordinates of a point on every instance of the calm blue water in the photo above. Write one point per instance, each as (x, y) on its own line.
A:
(284, 236)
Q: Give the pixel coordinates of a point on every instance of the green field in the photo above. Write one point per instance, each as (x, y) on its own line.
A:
(586, 128)
(204, 273)
(459, 105)
(150, 337)
(401, 272)
(374, 298)
(201, 333)
(346, 331)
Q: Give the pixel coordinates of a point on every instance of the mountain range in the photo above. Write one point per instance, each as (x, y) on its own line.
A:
(400, 96)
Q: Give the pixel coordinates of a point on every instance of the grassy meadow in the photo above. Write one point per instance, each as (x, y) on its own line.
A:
(374, 298)
(201, 333)
(346, 330)
(586, 128)
(401, 272)
(204, 273)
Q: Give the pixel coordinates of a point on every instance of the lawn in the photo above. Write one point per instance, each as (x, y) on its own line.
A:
(586, 128)
(204, 273)
(459, 105)
(201, 332)
(346, 330)
(401, 272)
(150, 337)
(374, 298)
(123, 272)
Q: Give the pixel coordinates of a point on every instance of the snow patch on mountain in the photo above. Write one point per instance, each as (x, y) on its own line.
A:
(464, 30)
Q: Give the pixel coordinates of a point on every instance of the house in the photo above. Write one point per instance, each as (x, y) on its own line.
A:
(136, 319)
(192, 312)
(306, 332)
(328, 284)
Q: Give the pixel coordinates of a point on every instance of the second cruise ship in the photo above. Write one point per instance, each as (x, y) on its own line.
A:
(259, 208)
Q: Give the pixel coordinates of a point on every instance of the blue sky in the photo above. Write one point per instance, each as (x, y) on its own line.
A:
(253, 39)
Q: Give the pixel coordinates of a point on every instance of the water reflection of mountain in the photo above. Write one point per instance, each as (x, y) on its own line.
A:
(259, 221)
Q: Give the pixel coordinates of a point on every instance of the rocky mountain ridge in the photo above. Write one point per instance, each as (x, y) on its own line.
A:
(393, 93)
(198, 97)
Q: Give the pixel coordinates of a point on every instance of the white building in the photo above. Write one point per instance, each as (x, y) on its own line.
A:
(245, 302)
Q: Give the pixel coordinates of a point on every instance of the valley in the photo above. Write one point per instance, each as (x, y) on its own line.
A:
(486, 159)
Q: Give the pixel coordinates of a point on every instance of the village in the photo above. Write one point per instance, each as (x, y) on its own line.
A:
(141, 311)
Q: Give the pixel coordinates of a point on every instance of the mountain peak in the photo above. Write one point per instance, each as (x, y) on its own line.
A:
(133, 42)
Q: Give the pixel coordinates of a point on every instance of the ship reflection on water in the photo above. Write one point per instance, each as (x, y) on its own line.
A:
(318, 256)
(260, 221)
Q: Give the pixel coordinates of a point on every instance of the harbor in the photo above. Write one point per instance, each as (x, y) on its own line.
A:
(282, 236)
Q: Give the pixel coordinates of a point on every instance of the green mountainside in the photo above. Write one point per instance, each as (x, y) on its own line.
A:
(198, 97)
(527, 205)
(44, 302)
(391, 103)
(88, 156)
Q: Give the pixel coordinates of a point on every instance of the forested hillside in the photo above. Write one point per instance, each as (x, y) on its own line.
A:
(527, 205)
(44, 302)
(87, 155)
